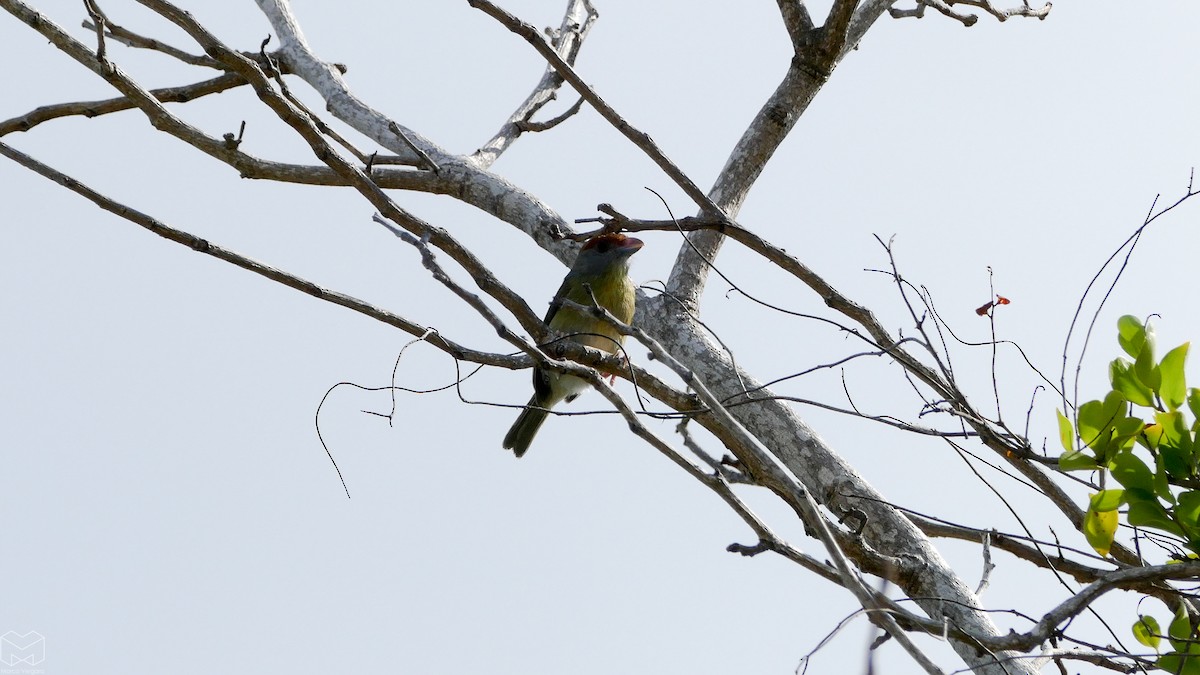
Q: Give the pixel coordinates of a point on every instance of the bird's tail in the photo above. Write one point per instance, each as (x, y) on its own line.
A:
(525, 428)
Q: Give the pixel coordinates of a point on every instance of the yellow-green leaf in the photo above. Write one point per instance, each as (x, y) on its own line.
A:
(1180, 631)
(1130, 334)
(1074, 460)
(1187, 509)
(1106, 500)
(1150, 513)
(1127, 430)
(1176, 436)
(1162, 481)
(1173, 389)
(1152, 435)
(1066, 433)
(1125, 381)
(1179, 664)
(1100, 527)
(1131, 472)
(1146, 631)
(1100, 523)
(1096, 419)
(1144, 364)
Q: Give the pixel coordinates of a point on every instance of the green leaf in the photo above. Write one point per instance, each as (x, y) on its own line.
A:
(1146, 511)
(1100, 527)
(1193, 401)
(1180, 630)
(1130, 334)
(1132, 472)
(1100, 523)
(1144, 365)
(1189, 502)
(1096, 419)
(1091, 420)
(1162, 484)
(1126, 431)
(1174, 386)
(1175, 461)
(1179, 664)
(1174, 427)
(1066, 434)
(1120, 373)
(1152, 435)
(1175, 444)
(1075, 460)
(1106, 500)
(1187, 510)
(1146, 631)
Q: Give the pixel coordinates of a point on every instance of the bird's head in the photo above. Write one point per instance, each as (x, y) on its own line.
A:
(602, 252)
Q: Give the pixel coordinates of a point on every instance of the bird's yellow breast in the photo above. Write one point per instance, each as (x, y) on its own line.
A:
(614, 292)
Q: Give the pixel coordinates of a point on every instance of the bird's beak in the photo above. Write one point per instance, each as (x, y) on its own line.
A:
(631, 245)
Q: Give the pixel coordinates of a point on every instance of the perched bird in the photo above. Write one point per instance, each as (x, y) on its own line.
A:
(602, 264)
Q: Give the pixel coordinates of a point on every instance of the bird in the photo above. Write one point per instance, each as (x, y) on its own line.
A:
(603, 265)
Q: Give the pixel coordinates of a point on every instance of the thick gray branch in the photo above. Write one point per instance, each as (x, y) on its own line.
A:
(776, 425)
(831, 480)
(475, 186)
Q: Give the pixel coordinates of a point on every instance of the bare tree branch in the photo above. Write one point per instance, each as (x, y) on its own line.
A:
(1081, 601)
(206, 247)
(796, 20)
(771, 446)
(946, 7)
(864, 17)
(181, 94)
(768, 470)
(564, 69)
(567, 41)
(131, 39)
(553, 121)
(303, 125)
(466, 180)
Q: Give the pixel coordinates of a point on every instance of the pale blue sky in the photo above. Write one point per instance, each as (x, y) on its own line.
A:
(168, 507)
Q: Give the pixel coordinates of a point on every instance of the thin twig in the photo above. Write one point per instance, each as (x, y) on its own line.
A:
(568, 40)
(179, 94)
(549, 124)
(131, 39)
(635, 136)
(287, 279)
